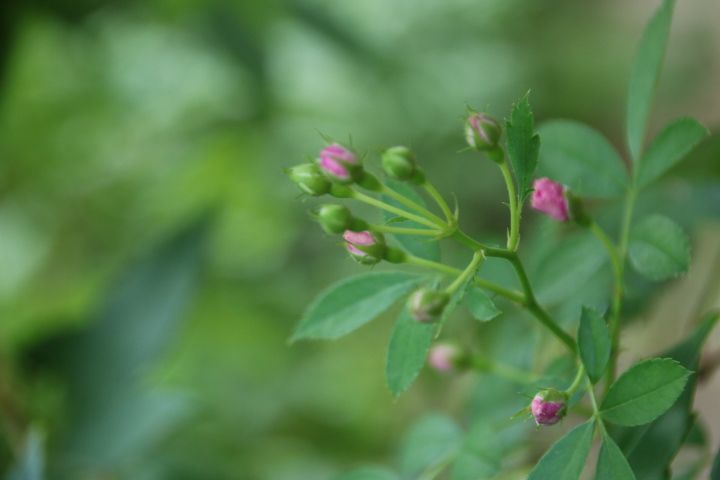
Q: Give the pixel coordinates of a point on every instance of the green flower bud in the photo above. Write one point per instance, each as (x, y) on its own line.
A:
(399, 163)
(334, 219)
(310, 179)
(482, 132)
(426, 304)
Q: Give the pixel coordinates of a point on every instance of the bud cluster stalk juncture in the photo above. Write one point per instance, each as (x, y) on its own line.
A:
(339, 172)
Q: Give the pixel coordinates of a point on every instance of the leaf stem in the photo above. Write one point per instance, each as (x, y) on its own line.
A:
(404, 230)
(392, 209)
(433, 192)
(593, 401)
(469, 271)
(400, 198)
(486, 365)
(614, 320)
(576, 382)
(482, 283)
(514, 235)
(534, 307)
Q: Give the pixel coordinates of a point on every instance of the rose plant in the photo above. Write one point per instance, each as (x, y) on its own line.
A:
(641, 417)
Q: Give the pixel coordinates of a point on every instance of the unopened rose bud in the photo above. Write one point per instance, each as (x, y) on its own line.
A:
(399, 163)
(446, 358)
(365, 247)
(482, 132)
(339, 164)
(549, 197)
(426, 304)
(334, 219)
(310, 179)
(549, 406)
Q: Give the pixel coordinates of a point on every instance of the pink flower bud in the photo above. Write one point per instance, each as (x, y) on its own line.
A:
(482, 132)
(366, 247)
(338, 163)
(549, 406)
(445, 357)
(549, 198)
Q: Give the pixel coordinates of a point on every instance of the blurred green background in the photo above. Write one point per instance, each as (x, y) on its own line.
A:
(154, 258)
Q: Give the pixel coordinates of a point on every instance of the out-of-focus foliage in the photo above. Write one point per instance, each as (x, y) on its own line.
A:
(153, 260)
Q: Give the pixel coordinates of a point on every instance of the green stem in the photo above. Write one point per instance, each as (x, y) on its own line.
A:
(593, 401)
(514, 236)
(433, 192)
(482, 283)
(486, 365)
(576, 382)
(614, 320)
(617, 266)
(530, 301)
(385, 190)
(469, 271)
(405, 231)
(392, 209)
(534, 307)
(612, 253)
(474, 245)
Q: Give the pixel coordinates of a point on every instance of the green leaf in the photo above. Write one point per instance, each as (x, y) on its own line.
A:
(481, 455)
(651, 448)
(644, 392)
(407, 351)
(523, 145)
(659, 248)
(480, 305)
(432, 440)
(645, 73)
(31, 461)
(570, 263)
(368, 473)
(353, 302)
(715, 473)
(106, 364)
(566, 458)
(612, 464)
(578, 156)
(420, 246)
(594, 343)
(668, 148)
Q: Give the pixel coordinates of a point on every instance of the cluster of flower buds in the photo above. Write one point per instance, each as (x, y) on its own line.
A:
(549, 406)
(426, 305)
(447, 358)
